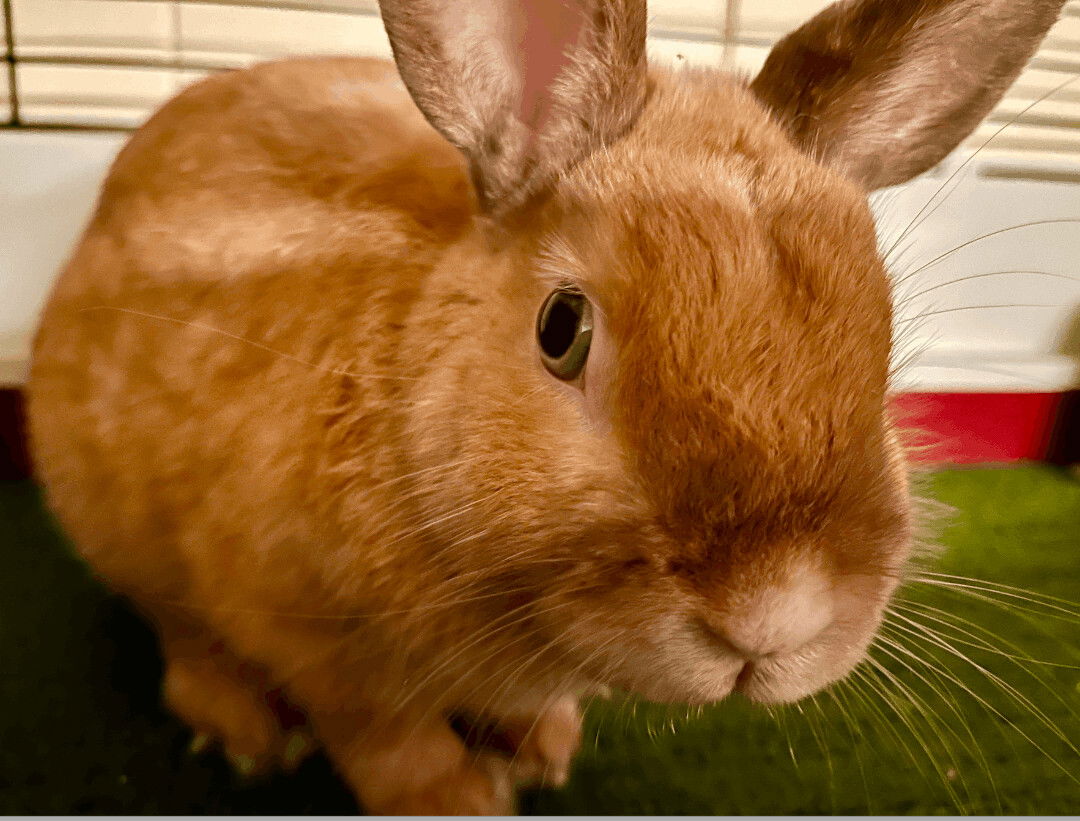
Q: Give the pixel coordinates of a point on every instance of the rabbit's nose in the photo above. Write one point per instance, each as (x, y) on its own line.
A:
(777, 619)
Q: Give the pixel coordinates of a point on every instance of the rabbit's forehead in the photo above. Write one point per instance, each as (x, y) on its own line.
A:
(747, 309)
(749, 343)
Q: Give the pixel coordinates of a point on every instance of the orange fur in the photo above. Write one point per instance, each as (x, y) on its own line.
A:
(286, 395)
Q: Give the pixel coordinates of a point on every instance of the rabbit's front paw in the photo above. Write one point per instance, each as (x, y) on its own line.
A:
(549, 741)
(414, 764)
(482, 786)
(225, 710)
(536, 747)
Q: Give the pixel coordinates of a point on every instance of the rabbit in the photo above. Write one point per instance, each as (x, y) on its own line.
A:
(414, 402)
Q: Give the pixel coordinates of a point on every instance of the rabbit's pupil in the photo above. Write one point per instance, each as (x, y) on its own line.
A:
(564, 332)
(560, 327)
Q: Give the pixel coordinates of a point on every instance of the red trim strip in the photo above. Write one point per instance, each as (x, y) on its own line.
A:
(971, 428)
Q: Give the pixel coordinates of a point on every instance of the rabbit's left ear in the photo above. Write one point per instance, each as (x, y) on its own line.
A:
(523, 87)
(883, 89)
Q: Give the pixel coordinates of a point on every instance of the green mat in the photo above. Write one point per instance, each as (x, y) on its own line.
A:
(82, 730)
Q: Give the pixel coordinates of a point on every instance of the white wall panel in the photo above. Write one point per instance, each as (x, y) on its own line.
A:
(48, 185)
(91, 95)
(93, 29)
(675, 51)
(697, 16)
(769, 20)
(237, 35)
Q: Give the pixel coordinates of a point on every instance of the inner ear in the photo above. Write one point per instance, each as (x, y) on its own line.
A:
(525, 88)
(553, 32)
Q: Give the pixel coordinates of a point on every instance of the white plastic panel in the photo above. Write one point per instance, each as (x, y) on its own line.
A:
(691, 16)
(106, 96)
(768, 20)
(111, 30)
(988, 277)
(48, 185)
(236, 35)
(674, 51)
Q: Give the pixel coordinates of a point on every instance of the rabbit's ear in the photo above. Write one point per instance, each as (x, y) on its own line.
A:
(523, 87)
(884, 89)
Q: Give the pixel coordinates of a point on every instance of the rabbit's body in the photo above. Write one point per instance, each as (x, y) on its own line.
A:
(281, 528)
(286, 395)
(168, 312)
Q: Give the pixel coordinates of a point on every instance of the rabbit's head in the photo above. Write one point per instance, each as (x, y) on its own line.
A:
(665, 392)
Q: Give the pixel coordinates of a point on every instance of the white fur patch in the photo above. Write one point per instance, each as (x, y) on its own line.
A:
(784, 616)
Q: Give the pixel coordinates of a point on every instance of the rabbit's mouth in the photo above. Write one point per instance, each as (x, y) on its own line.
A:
(792, 676)
(777, 645)
(713, 673)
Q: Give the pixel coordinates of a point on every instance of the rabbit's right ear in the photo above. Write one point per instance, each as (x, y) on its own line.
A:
(524, 88)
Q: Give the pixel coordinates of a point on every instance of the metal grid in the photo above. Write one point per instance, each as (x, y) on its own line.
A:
(703, 29)
(82, 79)
(169, 65)
(9, 59)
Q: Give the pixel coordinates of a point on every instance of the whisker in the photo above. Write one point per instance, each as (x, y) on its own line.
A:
(918, 608)
(520, 671)
(971, 277)
(850, 725)
(550, 701)
(1017, 696)
(861, 678)
(825, 752)
(920, 216)
(1032, 594)
(945, 675)
(987, 595)
(925, 713)
(430, 523)
(988, 235)
(828, 755)
(974, 750)
(494, 629)
(940, 366)
(938, 312)
(445, 466)
(1016, 660)
(779, 714)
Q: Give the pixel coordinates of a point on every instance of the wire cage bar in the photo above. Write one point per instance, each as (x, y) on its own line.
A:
(108, 64)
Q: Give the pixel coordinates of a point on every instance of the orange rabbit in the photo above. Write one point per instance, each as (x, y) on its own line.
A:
(432, 428)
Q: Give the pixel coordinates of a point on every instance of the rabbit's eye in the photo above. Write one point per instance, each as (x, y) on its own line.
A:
(564, 332)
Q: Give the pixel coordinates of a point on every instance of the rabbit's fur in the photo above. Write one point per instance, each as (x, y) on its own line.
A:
(286, 394)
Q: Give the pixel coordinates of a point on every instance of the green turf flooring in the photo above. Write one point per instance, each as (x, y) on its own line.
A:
(81, 729)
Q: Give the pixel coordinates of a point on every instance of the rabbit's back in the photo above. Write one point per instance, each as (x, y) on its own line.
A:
(282, 166)
(263, 234)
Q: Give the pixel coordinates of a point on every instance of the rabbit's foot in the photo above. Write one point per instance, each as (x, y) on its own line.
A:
(482, 786)
(548, 745)
(538, 748)
(414, 765)
(239, 715)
